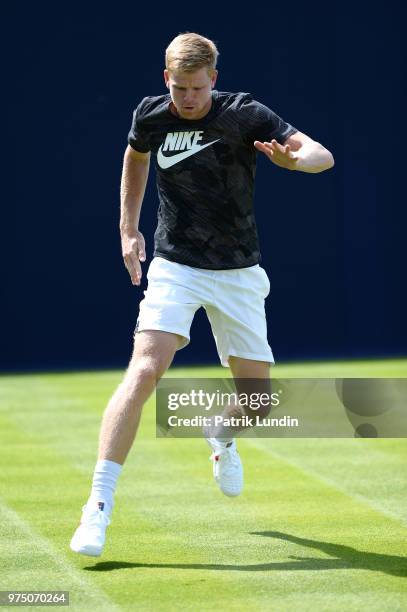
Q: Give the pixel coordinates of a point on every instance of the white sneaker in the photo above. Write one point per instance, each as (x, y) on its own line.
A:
(227, 466)
(89, 538)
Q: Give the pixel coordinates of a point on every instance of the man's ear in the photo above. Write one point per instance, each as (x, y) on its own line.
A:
(214, 78)
(166, 78)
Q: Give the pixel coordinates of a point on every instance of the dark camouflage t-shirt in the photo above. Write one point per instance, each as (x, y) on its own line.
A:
(205, 177)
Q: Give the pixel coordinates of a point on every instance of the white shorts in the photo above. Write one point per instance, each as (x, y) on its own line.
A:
(233, 301)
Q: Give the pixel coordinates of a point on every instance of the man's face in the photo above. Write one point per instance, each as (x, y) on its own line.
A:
(191, 91)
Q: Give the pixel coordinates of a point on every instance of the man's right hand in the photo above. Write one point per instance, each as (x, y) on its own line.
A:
(134, 251)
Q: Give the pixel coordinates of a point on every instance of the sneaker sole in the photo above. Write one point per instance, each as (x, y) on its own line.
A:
(230, 493)
(89, 551)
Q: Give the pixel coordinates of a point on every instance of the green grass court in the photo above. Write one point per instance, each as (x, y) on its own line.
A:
(321, 525)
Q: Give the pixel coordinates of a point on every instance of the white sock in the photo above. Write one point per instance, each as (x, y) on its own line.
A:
(226, 442)
(104, 482)
(219, 433)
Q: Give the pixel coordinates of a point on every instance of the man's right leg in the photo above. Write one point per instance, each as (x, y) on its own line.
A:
(152, 355)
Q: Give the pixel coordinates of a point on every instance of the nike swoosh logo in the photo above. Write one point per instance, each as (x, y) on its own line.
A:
(167, 162)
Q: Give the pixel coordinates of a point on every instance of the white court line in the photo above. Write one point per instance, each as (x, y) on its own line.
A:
(97, 596)
(327, 481)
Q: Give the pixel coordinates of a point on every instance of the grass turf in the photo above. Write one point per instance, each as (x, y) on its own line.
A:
(321, 524)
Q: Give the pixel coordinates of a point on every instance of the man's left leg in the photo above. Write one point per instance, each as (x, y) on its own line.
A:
(236, 312)
(249, 368)
(250, 376)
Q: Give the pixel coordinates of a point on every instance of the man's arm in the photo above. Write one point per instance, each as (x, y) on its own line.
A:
(299, 152)
(133, 185)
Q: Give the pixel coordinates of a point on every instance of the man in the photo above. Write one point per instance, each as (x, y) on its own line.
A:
(206, 249)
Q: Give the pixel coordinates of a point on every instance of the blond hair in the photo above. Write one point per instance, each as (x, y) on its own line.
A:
(189, 52)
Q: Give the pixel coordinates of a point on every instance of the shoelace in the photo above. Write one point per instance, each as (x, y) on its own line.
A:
(94, 518)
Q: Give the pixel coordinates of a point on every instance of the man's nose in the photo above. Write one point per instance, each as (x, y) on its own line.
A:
(189, 95)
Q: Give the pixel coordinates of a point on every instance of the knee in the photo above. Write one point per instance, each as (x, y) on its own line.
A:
(258, 390)
(147, 369)
(144, 372)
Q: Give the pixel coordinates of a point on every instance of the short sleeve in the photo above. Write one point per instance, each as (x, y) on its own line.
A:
(137, 137)
(263, 124)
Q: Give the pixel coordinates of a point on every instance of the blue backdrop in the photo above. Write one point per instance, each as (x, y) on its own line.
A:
(332, 243)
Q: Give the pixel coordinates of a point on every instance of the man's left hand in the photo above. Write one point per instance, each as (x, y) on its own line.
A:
(281, 155)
